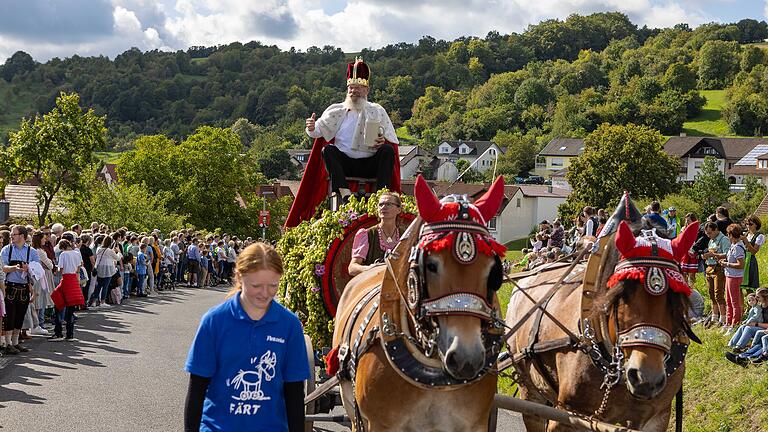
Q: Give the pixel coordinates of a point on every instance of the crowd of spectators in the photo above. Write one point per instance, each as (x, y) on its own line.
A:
(49, 273)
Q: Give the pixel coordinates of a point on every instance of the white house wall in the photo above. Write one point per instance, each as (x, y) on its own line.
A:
(408, 171)
(447, 172)
(516, 222)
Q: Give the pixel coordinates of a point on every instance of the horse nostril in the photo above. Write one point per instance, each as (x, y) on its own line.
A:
(633, 376)
(450, 361)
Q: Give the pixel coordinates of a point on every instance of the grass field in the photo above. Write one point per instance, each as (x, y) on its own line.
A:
(108, 157)
(709, 122)
(719, 396)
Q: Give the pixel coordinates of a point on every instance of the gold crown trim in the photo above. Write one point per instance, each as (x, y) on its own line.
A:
(358, 81)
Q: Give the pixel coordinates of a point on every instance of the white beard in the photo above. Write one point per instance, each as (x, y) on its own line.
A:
(356, 103)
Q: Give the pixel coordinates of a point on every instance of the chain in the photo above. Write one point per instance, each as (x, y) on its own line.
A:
(611, 373)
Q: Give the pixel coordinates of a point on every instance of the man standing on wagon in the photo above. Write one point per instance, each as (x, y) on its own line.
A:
(354, 138)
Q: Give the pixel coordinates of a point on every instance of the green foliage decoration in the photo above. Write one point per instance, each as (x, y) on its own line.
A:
(306, 246)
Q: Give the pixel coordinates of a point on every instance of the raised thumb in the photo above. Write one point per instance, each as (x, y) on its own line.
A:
(313, 116)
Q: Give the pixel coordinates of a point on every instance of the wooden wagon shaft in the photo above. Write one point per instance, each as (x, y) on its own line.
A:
(545, 412)
(322, 389)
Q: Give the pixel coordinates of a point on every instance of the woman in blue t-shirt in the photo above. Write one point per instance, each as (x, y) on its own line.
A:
(248, 362)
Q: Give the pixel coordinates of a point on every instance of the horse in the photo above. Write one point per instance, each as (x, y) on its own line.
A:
(416, 338)
(638, 312)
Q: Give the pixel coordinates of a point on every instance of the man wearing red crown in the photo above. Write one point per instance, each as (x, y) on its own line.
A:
(354, 138)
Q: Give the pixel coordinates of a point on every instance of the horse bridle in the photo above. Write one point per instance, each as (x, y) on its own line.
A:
(425, 309)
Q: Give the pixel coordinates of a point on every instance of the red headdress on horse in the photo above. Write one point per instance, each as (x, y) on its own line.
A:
(653, 260)
(434, 211)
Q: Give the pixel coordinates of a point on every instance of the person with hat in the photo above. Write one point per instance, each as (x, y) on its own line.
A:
(673, 222)
(354, 138)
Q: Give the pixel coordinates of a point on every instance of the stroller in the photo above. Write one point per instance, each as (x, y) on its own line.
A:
(166, 281)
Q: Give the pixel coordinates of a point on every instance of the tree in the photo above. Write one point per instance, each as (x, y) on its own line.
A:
(130, 205)
(520, 156)
(718, 63)
(746, 202)
(276, 163)
(19, 63)
(618, 158)
(470, 176)
(710, 188)
(56, 151)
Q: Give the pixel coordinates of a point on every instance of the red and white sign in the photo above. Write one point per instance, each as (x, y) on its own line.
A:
(264, 218)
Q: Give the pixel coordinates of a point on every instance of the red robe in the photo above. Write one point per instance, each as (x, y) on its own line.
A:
(313, 188)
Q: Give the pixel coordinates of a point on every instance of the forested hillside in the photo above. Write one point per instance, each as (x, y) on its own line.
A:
(558, 78)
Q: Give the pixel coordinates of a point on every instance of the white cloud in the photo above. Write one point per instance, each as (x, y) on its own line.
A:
(353, 24)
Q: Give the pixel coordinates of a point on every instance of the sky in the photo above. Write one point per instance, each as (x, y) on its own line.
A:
(62, 28)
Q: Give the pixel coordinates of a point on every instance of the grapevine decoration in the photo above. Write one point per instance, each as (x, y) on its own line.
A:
(304, 249)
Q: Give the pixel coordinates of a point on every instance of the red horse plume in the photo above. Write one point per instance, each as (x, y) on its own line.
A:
(431, 210)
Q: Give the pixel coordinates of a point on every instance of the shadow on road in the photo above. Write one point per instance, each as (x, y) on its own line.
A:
(92, 330)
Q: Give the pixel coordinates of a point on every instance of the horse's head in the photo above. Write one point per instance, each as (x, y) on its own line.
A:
(645, 302)
(455, 271)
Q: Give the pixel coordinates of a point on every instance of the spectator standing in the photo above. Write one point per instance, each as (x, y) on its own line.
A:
(106, 267)
(557, 238)
(591, 222)
(127, 270)
(43, 286)
(141, 270)
(673, 223)
(655, 217)
(733, 263)
(723, 219)
(718, 247)
(18, 290)
(67, 295)
(221, 257)
(193, 261)
(752, 241)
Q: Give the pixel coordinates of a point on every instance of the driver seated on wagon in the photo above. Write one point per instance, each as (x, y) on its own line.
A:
(354, 138)
(371, 244)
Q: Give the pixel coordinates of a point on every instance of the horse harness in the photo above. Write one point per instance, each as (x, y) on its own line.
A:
(592, 337)
(404, 319)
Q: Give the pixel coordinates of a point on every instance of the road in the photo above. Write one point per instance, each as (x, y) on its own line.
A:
(124, 371)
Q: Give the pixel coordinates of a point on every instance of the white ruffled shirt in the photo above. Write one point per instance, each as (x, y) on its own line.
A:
(348, 128)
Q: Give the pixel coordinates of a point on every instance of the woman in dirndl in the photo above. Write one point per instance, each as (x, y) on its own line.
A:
(752, 242)
(689, 265)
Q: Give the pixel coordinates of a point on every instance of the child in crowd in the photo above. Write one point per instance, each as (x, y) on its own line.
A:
(757, 325)
(68, 295)
(758, 302)
(127, 269)
(141, 270)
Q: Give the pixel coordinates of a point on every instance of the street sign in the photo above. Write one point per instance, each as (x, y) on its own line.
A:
(264, 218)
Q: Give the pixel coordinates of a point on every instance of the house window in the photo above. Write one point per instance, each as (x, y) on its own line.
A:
(445, 149)
(708, 151)
(563, 148)
(492, 152)
(697, 164)
(492, 223)
(762, 163)
(730, 165)
(518, 203)
(557, 162)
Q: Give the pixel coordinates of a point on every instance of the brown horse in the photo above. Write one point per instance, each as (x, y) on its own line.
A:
(413, 335)
(647, 325)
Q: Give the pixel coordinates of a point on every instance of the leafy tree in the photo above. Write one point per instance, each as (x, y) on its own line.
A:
(679, 76)
(520, 156)
(618, 158)
(55, 150)
(472, 175)
(19, 63)
(751, 56)
(718, 63)
(745, 203)
(276, 163)
(130, 205)
(533, 91)
(710, 188)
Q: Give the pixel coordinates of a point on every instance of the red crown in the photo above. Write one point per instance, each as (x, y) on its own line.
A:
(358, 73)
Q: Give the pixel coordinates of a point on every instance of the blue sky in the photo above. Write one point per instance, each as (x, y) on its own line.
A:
(62, 28)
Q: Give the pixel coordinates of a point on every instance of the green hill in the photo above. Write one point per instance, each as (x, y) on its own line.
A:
(709, 122)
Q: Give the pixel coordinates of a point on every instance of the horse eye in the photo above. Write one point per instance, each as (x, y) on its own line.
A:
(432, 267)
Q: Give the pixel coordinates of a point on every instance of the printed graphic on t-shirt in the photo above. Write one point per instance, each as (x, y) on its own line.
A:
(246, 384)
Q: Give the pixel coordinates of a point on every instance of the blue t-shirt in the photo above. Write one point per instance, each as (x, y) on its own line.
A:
(141, 263)
(204, 262)
(12, 252)
(657, 219)
(248, 362)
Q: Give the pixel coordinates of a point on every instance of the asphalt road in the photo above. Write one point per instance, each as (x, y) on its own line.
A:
(124, 371)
